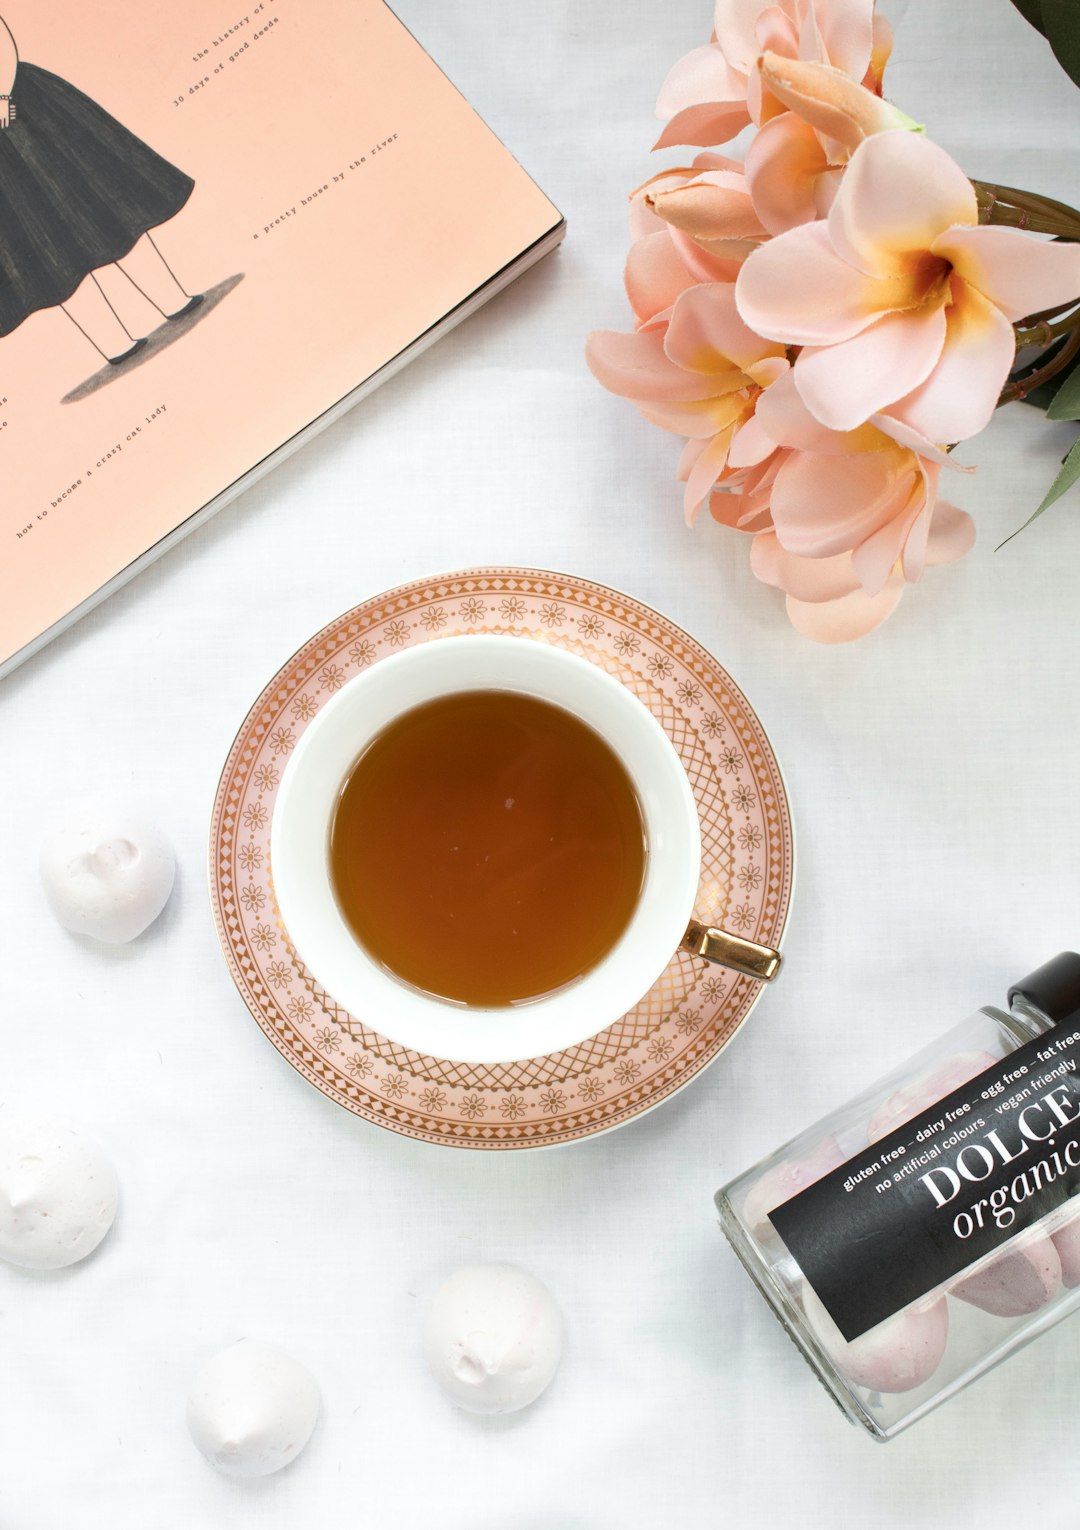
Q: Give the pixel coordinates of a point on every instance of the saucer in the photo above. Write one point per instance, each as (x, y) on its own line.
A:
(689, 1015)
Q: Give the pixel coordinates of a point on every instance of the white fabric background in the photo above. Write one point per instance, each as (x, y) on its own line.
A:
(933, 770)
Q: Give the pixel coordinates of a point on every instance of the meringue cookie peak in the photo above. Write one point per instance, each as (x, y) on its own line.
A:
(107, 872)
(493, 1338)
(58, 1193)
(252, 1409)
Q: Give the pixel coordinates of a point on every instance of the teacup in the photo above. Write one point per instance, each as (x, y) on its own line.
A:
(660, 924)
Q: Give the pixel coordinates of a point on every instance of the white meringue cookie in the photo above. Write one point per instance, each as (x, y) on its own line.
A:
(1067, 1242)
(898, 1355)
(58, 1193)
(107, 872)
(786, 1179)
(1023, 1277)
(252, 1409)
(493, 1338)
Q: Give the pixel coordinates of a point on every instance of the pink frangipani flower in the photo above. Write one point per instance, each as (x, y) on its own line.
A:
(825, 600)
(795, 162)
(700, 377)
(689, 225)
(900, 300)
(851, 518)
(713, 92)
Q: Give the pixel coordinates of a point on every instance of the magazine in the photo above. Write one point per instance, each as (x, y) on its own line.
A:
(221, 224)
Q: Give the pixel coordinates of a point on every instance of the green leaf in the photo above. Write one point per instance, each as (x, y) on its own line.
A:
(1031, 10)
(1065, 404)
(1070, 472)
(1061, 24)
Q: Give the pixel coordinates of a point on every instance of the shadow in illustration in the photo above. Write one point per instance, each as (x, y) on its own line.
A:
(157, 341)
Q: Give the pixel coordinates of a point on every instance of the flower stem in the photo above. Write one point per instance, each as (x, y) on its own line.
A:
(1022, 386)
(1013, 208)
(1043, 333)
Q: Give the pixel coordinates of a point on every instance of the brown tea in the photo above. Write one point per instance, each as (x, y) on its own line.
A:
(487, 847)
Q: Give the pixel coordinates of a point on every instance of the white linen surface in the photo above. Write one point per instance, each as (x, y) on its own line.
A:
(933, 771)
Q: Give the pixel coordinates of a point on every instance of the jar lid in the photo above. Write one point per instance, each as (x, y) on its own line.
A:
(1053, 988)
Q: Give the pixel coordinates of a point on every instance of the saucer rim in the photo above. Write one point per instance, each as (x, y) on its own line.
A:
(462, 573)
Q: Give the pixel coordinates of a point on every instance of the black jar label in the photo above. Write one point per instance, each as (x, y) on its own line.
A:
(951, 1185)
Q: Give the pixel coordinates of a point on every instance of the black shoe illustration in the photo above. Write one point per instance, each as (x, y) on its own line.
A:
(189, 307)
(116, 361)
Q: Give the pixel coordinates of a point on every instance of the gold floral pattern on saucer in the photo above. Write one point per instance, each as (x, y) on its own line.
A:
(688, 1016)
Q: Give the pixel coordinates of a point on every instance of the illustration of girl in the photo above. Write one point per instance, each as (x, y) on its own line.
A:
(78, 192)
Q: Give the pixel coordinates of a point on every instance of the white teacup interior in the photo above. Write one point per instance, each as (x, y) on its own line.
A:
(300, 837)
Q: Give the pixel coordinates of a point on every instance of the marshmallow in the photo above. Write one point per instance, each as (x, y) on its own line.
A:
(252, 1409)
(493, 1338)
(781, 1181)
(106, 872)
(58, 1194)
(898, 1355)
(1067, 1243)
(1020, 1279)
(926, 1089)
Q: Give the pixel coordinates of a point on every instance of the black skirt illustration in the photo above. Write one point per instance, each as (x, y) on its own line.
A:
(77, 191)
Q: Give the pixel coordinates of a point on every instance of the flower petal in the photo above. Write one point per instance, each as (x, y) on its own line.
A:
(899, 193)
(655, 275)
(700, 420)
(741, 498)
(706, 333)
(701, 76)
(735, 26)
(783, 415)
(952, 534)
(751, 444)
(826, 505)
(642, 218)
(959, 397)
(812, 579)
(829, 100)
(690, 454)
(783, 164)
(843, 385)
(844, 620)
(702, 264)
(905, 435)
(768, 370)
(875, 559)
(706, 470)
(637, 367)
(1020, 274)
(798, 290)
(846, 28)
(711, 123)
(715, 206)
(880, 53)
(745, 510)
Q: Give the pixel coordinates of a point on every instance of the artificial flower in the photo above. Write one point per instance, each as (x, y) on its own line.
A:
(900, 300)
(794, 164)
(700, 376)
(824, 598)
(691, 225)
(715, 91)
(844, 520)
(822, 323)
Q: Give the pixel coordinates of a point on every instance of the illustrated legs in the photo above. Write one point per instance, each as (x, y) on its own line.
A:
(92, 313)
(148, 271)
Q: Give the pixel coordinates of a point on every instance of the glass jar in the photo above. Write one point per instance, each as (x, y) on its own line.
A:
(931, 1226)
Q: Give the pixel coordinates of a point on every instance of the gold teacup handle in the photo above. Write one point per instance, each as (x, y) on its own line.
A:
(744, 956)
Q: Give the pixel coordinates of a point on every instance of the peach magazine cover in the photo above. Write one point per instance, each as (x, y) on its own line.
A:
(216, 225)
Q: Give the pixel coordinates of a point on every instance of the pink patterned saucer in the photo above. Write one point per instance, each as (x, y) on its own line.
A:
(689, 1015)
